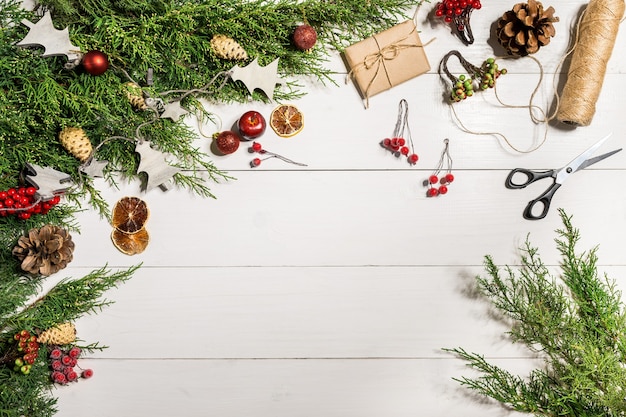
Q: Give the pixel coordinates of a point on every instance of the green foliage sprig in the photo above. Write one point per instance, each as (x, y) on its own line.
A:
(29, 395)
(39, 96)
(576, 324)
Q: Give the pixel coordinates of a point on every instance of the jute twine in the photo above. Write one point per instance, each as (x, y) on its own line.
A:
(537, 114)
(595, 38)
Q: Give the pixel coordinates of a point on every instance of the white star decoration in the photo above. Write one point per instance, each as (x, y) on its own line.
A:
(173, 111)
(54, 41)
(154, 164)
(94, 168)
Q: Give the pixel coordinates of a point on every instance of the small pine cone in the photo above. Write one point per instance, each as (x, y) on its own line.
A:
(61, 334)
(135, 96)
(76, 142)
(228, 48)
(44, 251)
(527, 27)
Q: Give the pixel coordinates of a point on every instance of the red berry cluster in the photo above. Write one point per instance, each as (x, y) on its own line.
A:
(438, 186)
(28, 346)
(23, 202)
(62, 364)
(458, 12)
(398, 147)
(258, 148)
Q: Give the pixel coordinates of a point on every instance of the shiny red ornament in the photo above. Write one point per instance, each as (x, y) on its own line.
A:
(304, 37)
(95, 62)
(227, 142)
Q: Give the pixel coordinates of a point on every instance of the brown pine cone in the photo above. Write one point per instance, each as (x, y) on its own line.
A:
(44, 251)
(527, 27)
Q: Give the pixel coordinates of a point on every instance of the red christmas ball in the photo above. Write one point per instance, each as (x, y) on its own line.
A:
(227, 141)
(95, 62)
(304, 37)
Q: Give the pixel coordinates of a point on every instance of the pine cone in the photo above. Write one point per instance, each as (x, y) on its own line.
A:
(44, 251)
(135, 96)
(76, 142)
(526, 28)
(228, 48)
(61, 334)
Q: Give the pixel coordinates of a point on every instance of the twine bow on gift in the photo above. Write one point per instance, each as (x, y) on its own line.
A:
(378, 61)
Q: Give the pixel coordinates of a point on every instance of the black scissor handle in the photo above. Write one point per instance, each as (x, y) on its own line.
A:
(544, 199)
(531, 176)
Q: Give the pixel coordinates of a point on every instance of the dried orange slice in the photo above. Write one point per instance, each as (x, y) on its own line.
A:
(286, 120)
(130, 215)
(130, 244)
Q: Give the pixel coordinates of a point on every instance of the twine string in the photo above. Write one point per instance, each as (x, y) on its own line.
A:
(596, 32)
(532, 108)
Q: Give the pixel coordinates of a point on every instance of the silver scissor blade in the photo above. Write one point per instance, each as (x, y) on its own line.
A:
(595, 159)
(574, 164)
(580, 159)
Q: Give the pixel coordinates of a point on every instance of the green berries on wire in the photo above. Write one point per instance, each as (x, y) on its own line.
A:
(481, 78)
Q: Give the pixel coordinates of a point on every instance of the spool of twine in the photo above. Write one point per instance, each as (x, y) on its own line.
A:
(596, 35)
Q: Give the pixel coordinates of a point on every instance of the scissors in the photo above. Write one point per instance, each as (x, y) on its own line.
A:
(558, 176)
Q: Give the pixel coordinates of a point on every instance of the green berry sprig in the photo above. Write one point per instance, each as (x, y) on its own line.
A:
(489, 73)
(462, 89)
(464, 86)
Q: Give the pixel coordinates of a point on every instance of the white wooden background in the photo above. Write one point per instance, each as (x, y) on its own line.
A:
(329, 290)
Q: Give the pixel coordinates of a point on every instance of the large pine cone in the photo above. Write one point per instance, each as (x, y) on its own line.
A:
(61, 334)
(228, 48)
(76, 142)
(526, 28)
(44, 251)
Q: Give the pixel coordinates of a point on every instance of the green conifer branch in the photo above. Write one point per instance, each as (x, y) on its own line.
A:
(68, 300)
(39, 97)
(575, 324)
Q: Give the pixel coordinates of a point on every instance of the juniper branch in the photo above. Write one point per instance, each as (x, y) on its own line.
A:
(575, 325)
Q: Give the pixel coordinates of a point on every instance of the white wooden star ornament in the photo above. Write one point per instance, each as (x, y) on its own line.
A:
(173, 111)
(94, 168)
(48, 182)
(54, 41)
(255, 76)
(154, 163)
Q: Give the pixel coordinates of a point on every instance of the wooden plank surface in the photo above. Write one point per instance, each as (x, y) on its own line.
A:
(329, 290)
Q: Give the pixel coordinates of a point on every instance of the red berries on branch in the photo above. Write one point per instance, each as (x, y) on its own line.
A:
(438, 186)
(63, 363)
(398, 147)
(437, 183)
(457, 12)
(28, 347)
(258, 148)
(397, 143)
(22, 202)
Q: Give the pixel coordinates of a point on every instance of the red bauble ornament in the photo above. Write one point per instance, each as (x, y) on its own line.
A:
(227, 141)
(95, 62)
(251, 125)
(304, 37)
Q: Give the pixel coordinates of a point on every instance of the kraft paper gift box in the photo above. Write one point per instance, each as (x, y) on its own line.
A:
(386, 59)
